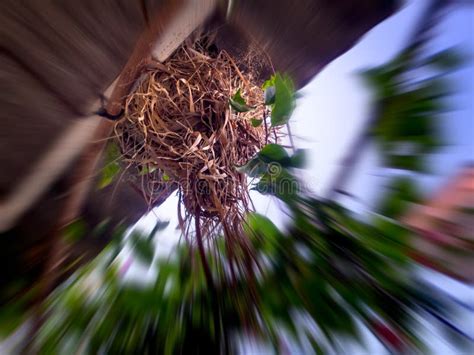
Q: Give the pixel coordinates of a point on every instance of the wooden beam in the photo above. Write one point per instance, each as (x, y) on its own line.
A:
(171, 25)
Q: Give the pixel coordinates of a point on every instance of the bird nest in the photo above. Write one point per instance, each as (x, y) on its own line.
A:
(179, 129)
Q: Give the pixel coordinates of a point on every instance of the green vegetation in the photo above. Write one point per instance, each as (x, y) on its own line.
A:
(326, 266)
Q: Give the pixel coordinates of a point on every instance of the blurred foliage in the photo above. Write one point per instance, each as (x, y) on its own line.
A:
(111, 166)
(14, 313)
(410, 96)
(402, 192)
(326, 265)
(411, 93)
(75, 231)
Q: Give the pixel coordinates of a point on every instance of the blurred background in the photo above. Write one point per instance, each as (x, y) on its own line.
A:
(372, 253)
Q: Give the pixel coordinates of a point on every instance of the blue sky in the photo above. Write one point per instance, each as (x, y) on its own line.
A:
(336, 104)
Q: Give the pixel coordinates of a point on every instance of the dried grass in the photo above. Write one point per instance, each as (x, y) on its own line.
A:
(178, 121)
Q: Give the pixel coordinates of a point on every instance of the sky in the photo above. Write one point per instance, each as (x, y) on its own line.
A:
(336, 103)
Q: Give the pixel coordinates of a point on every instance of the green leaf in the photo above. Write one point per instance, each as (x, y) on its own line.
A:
(253, 168)
(406, 162)
(402, 193)
(274, 153)
(270, 95)
(260, 223)
(147, 169)
(264, 186)
(298, 159)
(165, 177)
(279, 183)
(111, 165)
(101, 227)
(159, 226)
(12, 316)
(256, 122)
(238, 103)
(14, 313)
(268, 83)
(75, 231)
(284, 100)
(448, 59)
(143, 248)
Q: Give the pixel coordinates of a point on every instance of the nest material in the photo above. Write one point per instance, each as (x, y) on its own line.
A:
(178, 121)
